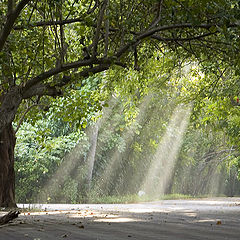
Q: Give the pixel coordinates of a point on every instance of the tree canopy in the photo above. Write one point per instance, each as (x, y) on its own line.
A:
(53, 48)
(47, 45)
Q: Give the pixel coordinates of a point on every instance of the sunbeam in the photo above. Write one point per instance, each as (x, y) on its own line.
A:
(105, 179)
(74, 161)
(162, 165)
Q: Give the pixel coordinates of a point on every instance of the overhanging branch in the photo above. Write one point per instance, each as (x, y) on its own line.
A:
(59, 69)
(151, 32)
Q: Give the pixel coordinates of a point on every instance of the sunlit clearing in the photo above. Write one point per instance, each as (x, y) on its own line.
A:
(163, 163)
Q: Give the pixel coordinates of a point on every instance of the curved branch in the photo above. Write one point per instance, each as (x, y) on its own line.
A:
(151, 32)
(100, 68)
(59, 69)
(157, 37)
(105, 63)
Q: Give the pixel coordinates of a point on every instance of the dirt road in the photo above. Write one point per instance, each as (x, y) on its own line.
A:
(177, 219)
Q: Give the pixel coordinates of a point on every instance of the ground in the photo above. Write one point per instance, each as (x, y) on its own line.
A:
(217, 218)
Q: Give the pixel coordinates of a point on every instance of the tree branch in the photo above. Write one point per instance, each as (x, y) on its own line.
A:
(11, 19)
(10, 6)
(104, 63)
(98, 28)
(136, 67)
(158, 17)
(157, 37)
(42, 89)
(88, 62)
(151, 32)
(89, 11)
(100, 68)
(106, 30)
(58, 69)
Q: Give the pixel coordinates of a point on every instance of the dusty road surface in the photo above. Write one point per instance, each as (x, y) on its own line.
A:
(217, 218)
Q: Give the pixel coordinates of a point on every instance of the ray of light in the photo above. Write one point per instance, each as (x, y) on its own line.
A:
(162, 165)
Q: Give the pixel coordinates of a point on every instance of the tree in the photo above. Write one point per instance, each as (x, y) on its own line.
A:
(49, 46)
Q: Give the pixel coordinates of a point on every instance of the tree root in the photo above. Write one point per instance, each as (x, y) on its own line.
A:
(9, 217)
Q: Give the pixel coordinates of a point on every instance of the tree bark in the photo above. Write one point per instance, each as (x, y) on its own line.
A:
(7, 175)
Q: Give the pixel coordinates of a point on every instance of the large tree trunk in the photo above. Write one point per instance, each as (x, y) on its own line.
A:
(7, 175)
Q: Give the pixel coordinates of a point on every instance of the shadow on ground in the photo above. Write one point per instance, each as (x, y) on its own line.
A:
(186, 219)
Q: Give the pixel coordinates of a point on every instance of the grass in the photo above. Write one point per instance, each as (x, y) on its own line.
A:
(135, 198)
(176, 196)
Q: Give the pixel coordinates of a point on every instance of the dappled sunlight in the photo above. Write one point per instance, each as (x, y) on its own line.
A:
(116, 220)
(109, 169)
(154, 210)
(187, 219)
(190, 214)
(142, 210)
(211, 221)
(163, 163)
